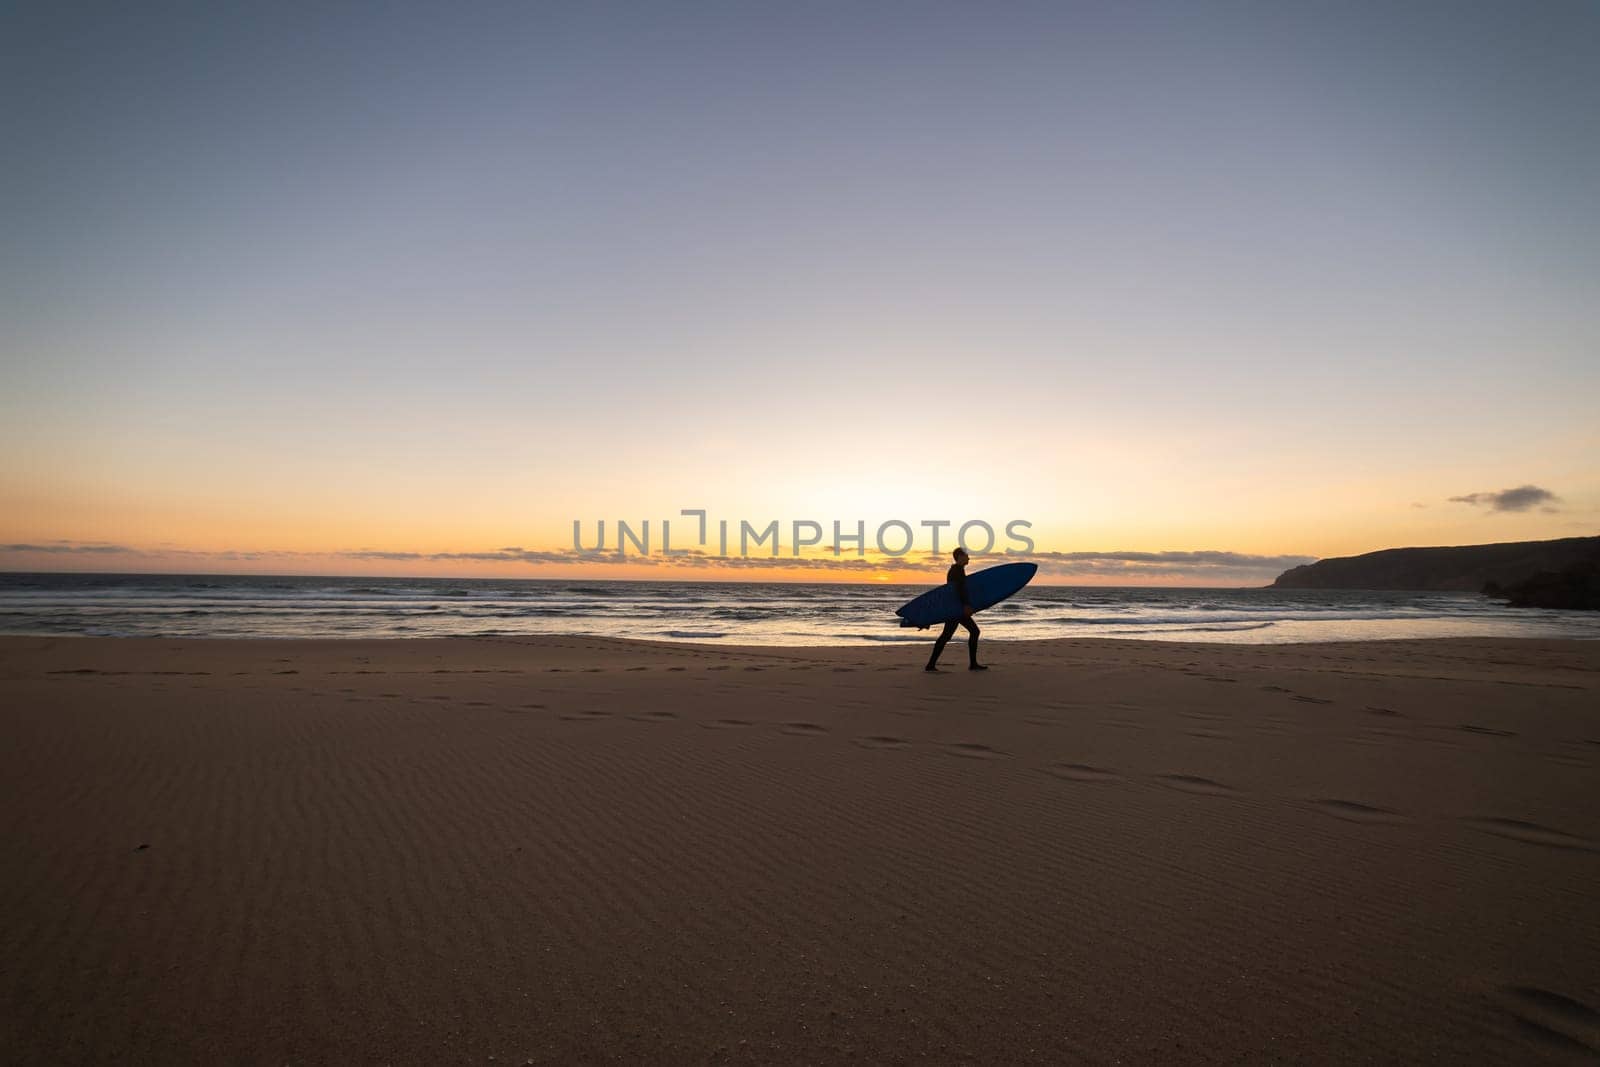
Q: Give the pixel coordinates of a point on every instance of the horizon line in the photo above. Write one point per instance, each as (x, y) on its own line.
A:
(530, 578)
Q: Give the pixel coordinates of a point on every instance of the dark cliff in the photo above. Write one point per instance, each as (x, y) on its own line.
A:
(1465, 568)
(1576, 588)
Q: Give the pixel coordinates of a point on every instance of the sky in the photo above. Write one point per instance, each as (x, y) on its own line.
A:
(1198, 290)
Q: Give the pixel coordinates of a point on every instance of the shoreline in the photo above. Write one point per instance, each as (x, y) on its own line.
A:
(743, 613)
(577, 849)
(1032, 644)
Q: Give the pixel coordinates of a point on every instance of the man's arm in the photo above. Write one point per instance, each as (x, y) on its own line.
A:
(958, 578)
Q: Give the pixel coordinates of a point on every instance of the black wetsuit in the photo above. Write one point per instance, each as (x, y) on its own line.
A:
(957, 577)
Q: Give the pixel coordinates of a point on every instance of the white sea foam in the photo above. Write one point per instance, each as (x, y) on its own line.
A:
(728, 612)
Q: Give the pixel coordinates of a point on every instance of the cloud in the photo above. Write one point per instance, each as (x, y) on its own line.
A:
(501, 555)
(916, 562)
(1198, 565)
(1220, 567)
(691, 559)
(71, 548)
(1205, 558)
(101, 548)
(1522, 498)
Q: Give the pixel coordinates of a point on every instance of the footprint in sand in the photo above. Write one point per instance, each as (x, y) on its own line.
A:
(881, 741)
(726, 724)
(581, 716)
(1081, 772)
(1192, 783)
(804, 729)
(1530, 833)
(1310, 700)
(653, 716)
(973, 750)
(1353, 811)
(1556, 1020)
(1487, 731)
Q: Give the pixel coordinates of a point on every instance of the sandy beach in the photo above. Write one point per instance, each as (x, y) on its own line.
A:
(566, 850)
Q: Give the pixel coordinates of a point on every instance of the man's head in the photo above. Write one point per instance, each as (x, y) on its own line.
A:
(960, 555)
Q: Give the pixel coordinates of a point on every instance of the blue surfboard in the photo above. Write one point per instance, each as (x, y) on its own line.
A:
(985, 589)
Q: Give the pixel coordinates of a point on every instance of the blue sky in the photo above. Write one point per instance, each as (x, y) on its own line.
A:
(1243, 277)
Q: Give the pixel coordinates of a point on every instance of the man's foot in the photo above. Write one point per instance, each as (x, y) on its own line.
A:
(978, 667)
(931, 667)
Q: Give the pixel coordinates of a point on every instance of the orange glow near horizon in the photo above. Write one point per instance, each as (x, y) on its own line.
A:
(227, 510)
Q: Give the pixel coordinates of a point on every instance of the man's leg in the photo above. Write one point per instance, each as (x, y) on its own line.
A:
(938, 646)
(972, 641)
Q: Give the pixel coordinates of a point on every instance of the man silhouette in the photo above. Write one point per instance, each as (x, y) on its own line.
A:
(957, 577)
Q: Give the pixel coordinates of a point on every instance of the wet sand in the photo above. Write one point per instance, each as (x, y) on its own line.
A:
(566, 850)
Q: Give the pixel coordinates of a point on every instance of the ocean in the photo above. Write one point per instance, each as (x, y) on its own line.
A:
(128, 605)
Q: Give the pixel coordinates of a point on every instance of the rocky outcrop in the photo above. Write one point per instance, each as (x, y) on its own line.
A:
(1575, 588)
(1465, 568)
